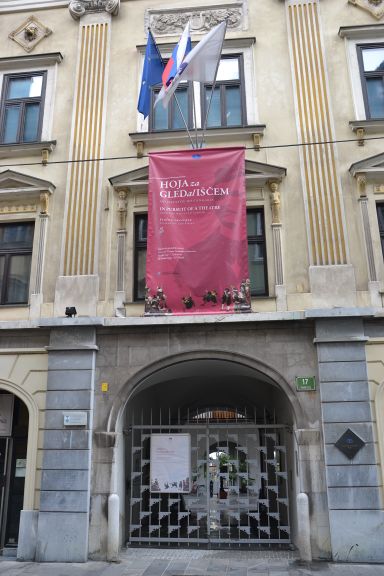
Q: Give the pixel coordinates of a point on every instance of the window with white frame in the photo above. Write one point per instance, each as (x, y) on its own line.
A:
(27, 86)
(22, 107)
(233, 103)
(226, 105)
(380, 219)
(365, 56)
(16, 240)
(371, 64)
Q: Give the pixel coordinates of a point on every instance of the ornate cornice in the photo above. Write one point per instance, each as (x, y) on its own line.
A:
(171, 22)
(375, 7)
(79, 8)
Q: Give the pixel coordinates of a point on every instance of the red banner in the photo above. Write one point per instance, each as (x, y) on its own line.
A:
(197, 254)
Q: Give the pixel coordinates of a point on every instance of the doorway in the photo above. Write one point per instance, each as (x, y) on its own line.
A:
(13, 458)
(238, 489)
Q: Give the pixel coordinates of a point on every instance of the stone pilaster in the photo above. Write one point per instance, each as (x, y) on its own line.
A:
(353, 485)
(63, 524)
(80, 249)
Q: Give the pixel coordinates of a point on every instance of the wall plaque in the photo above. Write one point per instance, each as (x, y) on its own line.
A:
(75, 418)
(349, 444)
(305, 383)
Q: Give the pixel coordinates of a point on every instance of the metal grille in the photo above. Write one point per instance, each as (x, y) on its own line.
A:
(239, 493)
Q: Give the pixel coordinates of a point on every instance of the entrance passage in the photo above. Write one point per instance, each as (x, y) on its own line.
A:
(237, 494)
(13, 458)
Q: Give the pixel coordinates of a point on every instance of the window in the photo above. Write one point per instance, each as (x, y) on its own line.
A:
(227, 106)
(141, 221)
(257, 261)
(380, 217)
(227, 101)
(22, 106)
(371, 63)
(171, 118)
(15, 262)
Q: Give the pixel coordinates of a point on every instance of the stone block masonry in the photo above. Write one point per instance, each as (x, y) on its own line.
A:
(353, 485)
(63, 524)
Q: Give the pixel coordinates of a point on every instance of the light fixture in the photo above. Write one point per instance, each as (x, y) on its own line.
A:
(70, 311)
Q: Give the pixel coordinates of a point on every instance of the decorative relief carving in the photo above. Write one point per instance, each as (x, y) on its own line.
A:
(78, 8)
(361, 185)
(7, 209)
(379, 189)
(30, 33)
(44, 202)
(275, 202)
(171, 23)
(122, 209)
(375, 7)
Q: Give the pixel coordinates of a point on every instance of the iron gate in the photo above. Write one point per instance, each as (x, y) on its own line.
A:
(239, 492)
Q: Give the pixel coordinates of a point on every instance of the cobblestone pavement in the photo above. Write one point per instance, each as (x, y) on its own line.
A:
(151, 562)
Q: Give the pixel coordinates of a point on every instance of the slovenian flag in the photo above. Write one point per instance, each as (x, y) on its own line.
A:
(174, 64)
(180, 51)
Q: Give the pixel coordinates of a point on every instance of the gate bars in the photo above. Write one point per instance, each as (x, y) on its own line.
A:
(239, 492)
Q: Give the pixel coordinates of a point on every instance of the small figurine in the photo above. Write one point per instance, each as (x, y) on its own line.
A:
(226, 299)
(210, 296)
(188, 302)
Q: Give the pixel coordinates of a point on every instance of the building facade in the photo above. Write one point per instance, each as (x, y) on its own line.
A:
(282, 407)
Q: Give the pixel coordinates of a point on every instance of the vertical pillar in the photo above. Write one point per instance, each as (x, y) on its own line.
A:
(37, 296)
(79, 259)
(280, 291)
(373, 283)
(354, 485)
(331, 277)
(121, 240)
(63, 524)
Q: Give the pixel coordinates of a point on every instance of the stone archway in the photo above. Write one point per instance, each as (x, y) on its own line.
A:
(212, 372)
(19, 467)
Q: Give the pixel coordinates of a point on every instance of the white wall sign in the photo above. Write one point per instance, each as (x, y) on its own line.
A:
(6, 414)
(75, 418)
(171, 463)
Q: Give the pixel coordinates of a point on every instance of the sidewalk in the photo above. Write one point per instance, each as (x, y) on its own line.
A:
(152, 562)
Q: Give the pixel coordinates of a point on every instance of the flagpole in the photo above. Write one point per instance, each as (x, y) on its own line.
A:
(174, 94)
(194, 113)
(185, 123)
(213, 87)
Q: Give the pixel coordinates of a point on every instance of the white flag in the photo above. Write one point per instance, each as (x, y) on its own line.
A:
(200, 64)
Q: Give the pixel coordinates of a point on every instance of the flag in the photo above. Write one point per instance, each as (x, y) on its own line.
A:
(152, 71)
(179, 53)
(200, 64)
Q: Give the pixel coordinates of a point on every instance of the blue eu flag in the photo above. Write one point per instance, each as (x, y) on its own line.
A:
(152, 71)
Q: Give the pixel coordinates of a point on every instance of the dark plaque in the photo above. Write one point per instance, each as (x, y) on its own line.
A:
(349, 444)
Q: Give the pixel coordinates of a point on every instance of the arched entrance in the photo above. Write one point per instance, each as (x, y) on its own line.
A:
(14, 422)
(208, 451)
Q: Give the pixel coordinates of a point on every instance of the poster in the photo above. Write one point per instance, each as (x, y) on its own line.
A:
(170, 463)
(6, 414)
(197, 252)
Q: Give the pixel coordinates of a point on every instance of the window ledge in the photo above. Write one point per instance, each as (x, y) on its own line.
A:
(28, 60)
(369, 126)
(28, 149)
(211, 135)
(361, 32)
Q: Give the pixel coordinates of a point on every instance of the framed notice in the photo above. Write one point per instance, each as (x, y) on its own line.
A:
(6, 414)
(171, 463)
